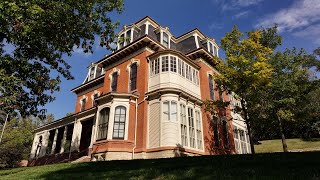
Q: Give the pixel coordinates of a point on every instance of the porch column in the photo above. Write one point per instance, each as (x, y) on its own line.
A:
(64, 139)
(34, 145)
(54, 141)
(45, 140)
(76, 136)
(94, 131)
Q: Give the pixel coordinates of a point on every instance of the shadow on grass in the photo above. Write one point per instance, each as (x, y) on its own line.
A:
(260, 166)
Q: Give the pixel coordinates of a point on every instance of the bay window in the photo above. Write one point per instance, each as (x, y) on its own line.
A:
(199, 132)
(173, 64)
(119, 122)
(191, 128)
(170, 110)
(184, 131)
(103, 123)
(165, 63)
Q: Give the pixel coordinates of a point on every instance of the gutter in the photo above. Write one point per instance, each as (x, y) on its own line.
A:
(136, 122)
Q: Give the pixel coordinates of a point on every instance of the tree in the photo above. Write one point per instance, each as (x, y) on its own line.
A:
(41, 32)
(246, 68)
(17, 141)
(291, 99)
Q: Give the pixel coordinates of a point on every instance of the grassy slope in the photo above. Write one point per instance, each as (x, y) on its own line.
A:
(293, 144)
(260, 166)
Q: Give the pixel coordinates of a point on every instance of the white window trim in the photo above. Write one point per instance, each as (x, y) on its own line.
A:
(161, 37)
(92, 96)
(80, 102)
(124, 33)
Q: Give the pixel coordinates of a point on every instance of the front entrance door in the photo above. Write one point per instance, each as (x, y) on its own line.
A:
(85, 136)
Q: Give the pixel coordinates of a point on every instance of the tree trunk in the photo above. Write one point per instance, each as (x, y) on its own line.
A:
(283, 138)
(247, 120)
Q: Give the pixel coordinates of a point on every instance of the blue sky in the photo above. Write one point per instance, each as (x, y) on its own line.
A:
(298, 21)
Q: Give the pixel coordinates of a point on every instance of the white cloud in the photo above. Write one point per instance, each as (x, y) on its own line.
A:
(311, 33)
(214, 26)
(235, 4)
(79, 51)
(241, 14)
(301, 14)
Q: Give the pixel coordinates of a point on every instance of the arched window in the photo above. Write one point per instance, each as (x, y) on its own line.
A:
(103, 123)
(225, 134)
(114, 82)
(119, 122)
(211, 87)
(133, 76)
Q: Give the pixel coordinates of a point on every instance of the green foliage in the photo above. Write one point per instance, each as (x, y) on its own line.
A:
(292, 96)
(16, 142)
(41, 32)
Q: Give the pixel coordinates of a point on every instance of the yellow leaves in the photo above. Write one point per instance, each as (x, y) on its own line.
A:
(247, 62)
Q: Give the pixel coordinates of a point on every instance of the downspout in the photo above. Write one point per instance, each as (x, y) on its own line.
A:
(135, 129)
(135, 126)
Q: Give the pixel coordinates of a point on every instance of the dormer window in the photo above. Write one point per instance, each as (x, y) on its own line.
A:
(212, 48)
(125, 38)
(91, 76)
(165, 40)
(94, 72)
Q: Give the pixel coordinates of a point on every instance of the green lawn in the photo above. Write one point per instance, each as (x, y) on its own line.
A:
(261, 166)
(293, 144)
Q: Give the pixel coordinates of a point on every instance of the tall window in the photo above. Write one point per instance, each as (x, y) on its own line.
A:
(165, 40)
(170, 110)
(225, 134)
(173, 64)
(165, 63)
(133, 77)
(211, 87)
(103, 123)
(191, 127)
(83, 104)
(114, 82)
(94, 102)
(119, 122)
(199, 132)
(236, 138)
(184, 133)
(215, 131)
(243, 142)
